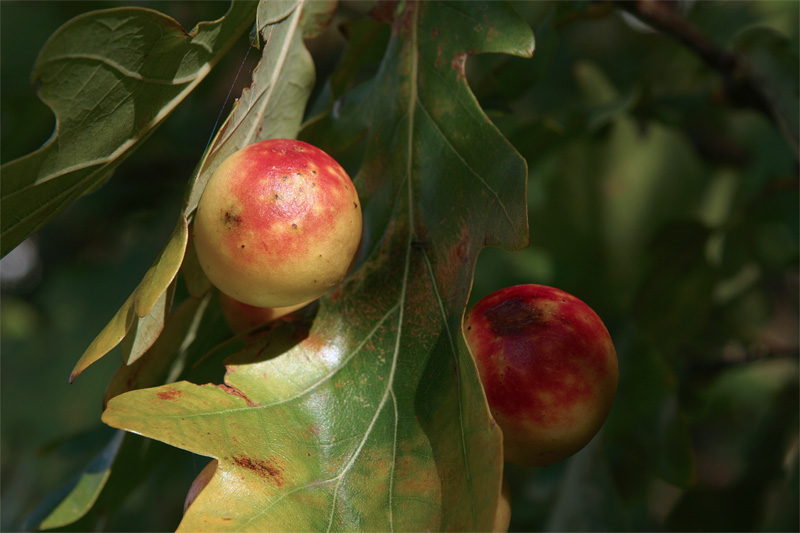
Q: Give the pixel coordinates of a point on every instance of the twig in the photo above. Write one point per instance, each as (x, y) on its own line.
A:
(740, 86)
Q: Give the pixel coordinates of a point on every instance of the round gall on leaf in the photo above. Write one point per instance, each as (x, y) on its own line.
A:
(278, 224)
(548, 368)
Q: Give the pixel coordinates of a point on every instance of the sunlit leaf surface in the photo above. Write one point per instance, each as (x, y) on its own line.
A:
(109, 337)
(141, 318)
(374, 419)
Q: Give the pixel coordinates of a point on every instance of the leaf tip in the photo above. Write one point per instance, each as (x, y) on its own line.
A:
(77, 371)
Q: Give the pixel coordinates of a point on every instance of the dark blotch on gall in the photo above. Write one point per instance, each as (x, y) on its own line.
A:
(512, 316)
(231, 220)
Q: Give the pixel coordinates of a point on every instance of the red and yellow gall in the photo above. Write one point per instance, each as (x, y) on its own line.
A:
(548, 368)
(278, 224)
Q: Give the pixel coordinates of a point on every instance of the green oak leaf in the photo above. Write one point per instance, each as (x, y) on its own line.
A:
(140, 331)
(111, 77)
(164, 269)
(75, 499)
(271, 107)
(110, 336)
(152, 367)
(372, 416)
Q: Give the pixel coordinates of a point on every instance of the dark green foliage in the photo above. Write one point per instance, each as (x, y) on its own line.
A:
(662, 190)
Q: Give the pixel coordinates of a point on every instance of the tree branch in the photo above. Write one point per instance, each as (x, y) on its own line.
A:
(741, 88)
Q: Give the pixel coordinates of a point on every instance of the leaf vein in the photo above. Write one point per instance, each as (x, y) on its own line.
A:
(121, 69)
(466, 164)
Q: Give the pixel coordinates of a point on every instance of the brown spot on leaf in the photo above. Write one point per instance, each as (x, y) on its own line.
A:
(459, 63)
(267, 470)
(169, 394)
(236, 392)
(512, 316)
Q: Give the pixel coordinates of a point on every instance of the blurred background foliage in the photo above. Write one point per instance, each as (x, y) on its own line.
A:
(654, 195)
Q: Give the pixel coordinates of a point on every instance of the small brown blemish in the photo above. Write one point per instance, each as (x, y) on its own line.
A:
(242, 246)
(284, 178)
(512, 316)
(355, 205)
(294, 226)
(236, 392)
(264, 469)
(459, 64)
(277, 196)
(231, 220)
(169, 394)
(314, 172)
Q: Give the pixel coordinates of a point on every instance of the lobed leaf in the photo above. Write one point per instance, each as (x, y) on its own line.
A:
(276, 98)
(111, 77)
(374, 417)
